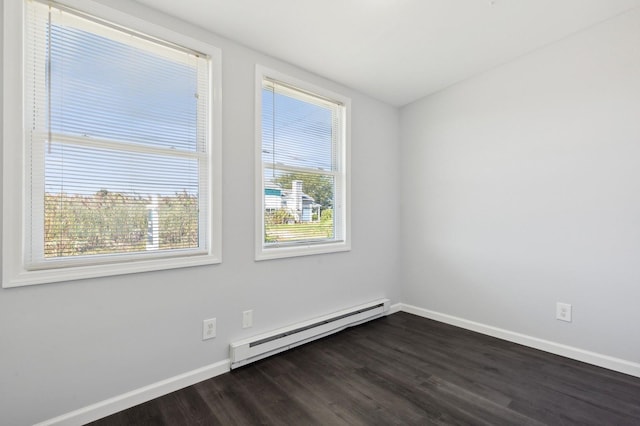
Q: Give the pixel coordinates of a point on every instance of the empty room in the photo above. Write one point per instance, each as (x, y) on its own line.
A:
(322, 212)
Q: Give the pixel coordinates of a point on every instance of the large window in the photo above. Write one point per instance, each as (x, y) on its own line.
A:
(302, 173)
(117, 149)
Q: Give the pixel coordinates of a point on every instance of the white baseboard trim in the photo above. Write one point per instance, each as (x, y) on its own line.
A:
(127, 400)
(397, 307)
(578, 354)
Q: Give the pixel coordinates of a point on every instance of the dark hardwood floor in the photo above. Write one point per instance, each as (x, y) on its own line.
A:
(402, 370)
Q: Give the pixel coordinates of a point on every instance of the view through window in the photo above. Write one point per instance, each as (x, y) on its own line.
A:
(303, 167)
(118, 138)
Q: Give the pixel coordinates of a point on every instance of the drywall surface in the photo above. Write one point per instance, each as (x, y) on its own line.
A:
(67, 345)
(521, 188)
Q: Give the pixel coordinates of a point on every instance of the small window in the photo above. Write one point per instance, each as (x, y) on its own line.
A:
(118, 149)
(302, 147)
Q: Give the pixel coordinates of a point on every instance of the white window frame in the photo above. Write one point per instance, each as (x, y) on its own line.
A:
(15, 191)
(342, 207)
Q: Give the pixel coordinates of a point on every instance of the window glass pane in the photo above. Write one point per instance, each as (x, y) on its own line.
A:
(295, 131)
(298, 207)
(101, 201)
(104, 88)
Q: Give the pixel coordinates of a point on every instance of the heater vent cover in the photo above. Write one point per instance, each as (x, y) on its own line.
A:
(264, 345)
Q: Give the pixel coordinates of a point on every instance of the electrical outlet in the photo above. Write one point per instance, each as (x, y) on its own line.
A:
(247, 319)
(563, 311)
(208, 329)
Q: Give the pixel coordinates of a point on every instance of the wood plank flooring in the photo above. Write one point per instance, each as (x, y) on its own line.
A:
(401, 370)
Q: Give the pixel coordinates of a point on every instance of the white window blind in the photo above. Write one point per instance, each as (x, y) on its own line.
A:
(117, 140)
(303, 168)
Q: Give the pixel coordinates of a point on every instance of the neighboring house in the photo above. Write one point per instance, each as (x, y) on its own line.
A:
(300, 205)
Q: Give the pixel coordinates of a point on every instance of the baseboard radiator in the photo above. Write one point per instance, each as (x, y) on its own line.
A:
(249, 350)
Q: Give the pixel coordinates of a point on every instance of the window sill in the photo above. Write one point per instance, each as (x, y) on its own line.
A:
(264, 253)
(33, 277)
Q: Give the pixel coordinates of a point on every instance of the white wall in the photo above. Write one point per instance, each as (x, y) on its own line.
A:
(521, 188)
(64, 346)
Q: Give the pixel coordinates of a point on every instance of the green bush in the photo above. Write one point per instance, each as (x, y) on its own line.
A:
(326, 216)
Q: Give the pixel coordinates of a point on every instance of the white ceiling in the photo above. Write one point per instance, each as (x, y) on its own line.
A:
(394, 50)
